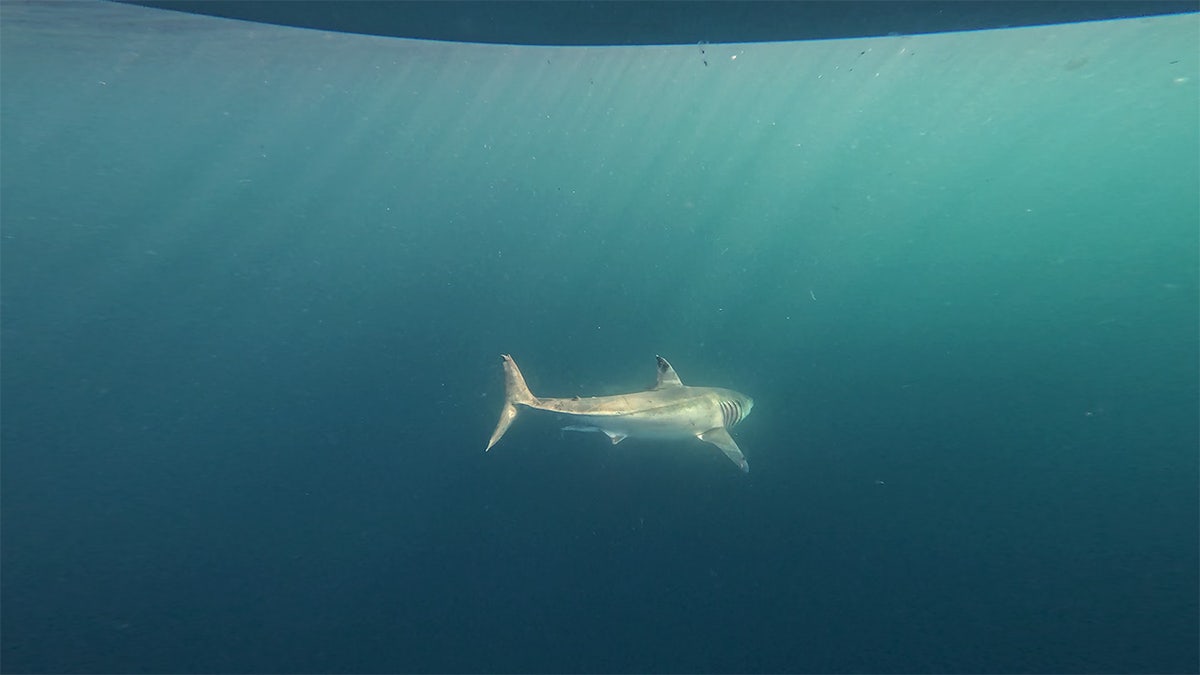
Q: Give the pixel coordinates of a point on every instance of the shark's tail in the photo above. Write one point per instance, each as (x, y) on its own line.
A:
(516, 393)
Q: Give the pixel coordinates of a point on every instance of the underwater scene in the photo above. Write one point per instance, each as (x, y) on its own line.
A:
(939, 293)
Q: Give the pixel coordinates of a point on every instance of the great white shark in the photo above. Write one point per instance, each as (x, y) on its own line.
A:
(671, 410)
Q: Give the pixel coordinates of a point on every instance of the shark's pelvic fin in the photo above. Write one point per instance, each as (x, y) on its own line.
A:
(516, 393)
(667, 377)
(614, 436)
(721, 438)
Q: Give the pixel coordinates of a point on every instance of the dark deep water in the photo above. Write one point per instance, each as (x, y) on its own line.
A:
(256, 281)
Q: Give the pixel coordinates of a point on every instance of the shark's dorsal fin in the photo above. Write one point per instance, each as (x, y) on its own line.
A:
(667, 377)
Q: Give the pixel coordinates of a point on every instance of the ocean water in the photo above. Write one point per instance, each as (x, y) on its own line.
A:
(256, 282)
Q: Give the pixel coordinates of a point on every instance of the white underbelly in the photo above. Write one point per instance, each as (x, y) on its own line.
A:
(658, 427)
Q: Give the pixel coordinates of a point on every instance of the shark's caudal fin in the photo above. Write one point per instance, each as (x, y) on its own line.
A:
(516, 393)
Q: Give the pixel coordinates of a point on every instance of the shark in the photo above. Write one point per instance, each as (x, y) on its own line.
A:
(671, 410)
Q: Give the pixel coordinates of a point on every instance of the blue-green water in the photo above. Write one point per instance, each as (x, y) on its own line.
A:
(256, 280)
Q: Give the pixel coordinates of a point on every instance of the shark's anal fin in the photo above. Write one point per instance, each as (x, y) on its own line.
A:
(721, 438)
(667, 377)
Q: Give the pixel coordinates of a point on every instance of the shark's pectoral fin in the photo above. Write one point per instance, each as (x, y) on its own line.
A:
(721, 438)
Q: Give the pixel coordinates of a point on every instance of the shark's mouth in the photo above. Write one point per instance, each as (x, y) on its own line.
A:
(731, 412)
